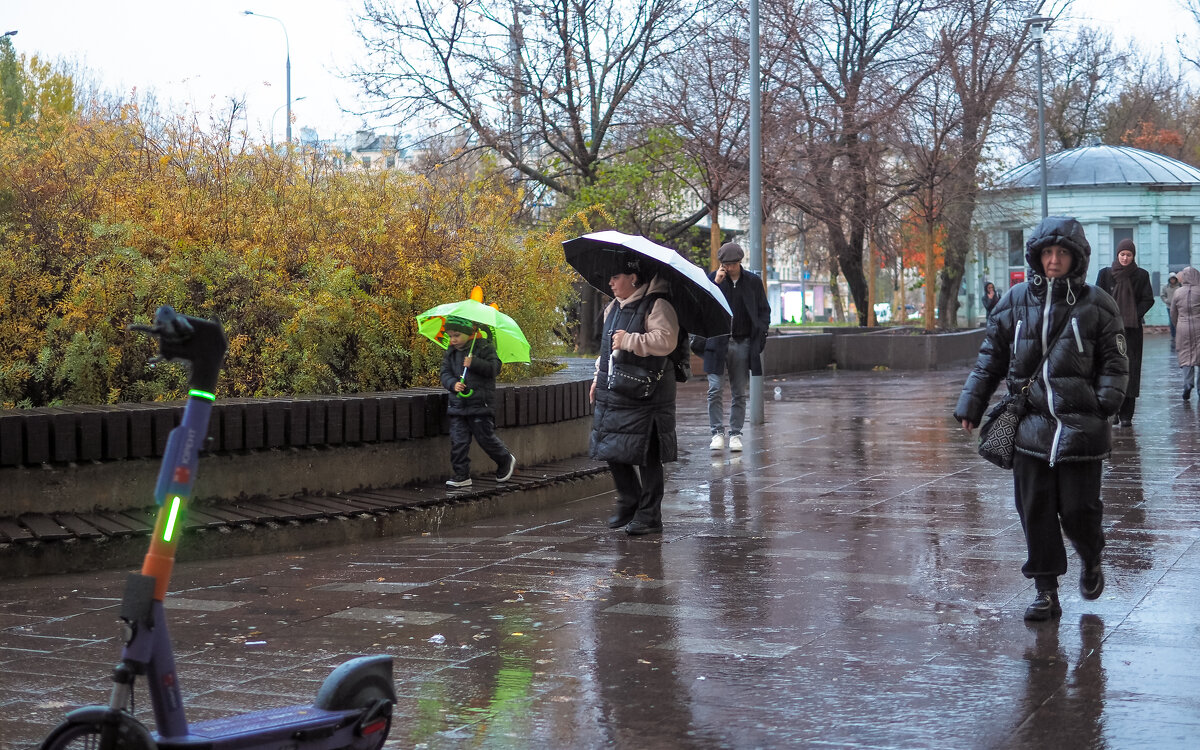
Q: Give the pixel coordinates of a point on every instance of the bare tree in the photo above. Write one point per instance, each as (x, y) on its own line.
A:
(702, 97)
(852, 65)
(930, 147)
(543, 83)
(984, 42)
(1081, 73)
(1154, 109)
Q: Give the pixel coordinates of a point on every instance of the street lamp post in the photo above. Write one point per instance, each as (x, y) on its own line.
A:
(276, 113)
(1037, 27)
(757, 415)
(288, 49)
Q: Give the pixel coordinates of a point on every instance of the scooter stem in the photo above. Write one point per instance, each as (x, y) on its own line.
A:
(202, 344)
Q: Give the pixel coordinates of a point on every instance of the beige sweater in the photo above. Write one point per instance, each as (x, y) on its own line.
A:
(662, 324)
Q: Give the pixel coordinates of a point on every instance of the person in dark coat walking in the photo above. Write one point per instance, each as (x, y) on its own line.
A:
(1130, 287)
(469, 369)
(990, 297)
(636, 435)
(739, 355)
(1065, 434)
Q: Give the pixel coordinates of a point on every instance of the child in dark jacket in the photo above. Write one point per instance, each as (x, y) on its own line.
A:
(469, 371)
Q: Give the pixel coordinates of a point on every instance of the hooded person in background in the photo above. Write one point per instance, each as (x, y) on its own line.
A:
(1168, 291)
(1130, 287)
(1065, 435)
(1185, 318)
(739, 355)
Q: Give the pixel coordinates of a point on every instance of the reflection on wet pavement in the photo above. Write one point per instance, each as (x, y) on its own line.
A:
(852, 579)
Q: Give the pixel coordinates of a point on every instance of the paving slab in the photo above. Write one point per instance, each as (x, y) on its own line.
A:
(850, 580)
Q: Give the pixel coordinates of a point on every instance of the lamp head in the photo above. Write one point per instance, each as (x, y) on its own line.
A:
(1037, 26)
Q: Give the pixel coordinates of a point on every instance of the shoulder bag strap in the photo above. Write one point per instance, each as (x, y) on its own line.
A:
(1046, 352)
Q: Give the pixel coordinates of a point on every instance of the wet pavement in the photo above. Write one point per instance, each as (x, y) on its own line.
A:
(851, 580)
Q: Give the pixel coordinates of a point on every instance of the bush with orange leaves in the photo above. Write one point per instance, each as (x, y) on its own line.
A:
(316, 273)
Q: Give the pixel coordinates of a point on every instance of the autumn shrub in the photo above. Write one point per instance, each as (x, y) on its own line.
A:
(317, 273)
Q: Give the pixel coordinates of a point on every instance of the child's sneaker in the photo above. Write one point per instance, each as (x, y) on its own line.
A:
(459, 482)
(505, 472)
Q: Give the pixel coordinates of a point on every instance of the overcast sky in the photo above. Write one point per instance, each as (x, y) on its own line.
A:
(204, 53)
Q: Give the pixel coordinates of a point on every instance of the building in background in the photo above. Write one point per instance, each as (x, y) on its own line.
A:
(1115, 192)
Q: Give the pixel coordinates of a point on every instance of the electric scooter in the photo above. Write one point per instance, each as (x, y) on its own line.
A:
(353, 708)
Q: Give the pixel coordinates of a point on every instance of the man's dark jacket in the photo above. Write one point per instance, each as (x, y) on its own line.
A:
(755, 307)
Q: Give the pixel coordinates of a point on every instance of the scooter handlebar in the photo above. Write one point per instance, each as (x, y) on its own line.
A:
(195, 340)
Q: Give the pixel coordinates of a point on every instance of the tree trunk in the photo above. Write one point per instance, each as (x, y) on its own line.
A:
(714, 237)
(930, 277)
(958, 217)
(871, 280)
(591, 319)
(839, 311)
(849, 254)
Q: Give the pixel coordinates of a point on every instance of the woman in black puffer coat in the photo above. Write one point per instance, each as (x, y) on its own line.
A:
(1065, 434)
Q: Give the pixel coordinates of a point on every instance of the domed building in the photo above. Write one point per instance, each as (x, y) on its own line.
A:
(1116, 192)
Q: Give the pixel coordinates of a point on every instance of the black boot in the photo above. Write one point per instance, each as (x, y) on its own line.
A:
(1091, 581)
(641, 528)
(620, 517)
(1044, 606)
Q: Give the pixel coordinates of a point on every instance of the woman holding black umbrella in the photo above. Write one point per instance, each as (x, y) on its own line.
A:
(633, 425)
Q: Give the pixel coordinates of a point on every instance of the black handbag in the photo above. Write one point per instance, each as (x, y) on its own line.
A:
(998, 433)
(631, 380)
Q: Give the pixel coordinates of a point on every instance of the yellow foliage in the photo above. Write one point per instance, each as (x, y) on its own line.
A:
(317, 274)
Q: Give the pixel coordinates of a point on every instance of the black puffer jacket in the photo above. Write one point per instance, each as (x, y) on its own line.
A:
(1082, 383)
(480, 380)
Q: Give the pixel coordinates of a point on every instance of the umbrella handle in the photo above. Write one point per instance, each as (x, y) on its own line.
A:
(467, 393)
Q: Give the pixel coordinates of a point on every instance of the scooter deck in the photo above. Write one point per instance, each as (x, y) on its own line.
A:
(261, 728)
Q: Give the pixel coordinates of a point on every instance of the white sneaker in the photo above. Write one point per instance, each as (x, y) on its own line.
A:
(735, 442)
(718, 442)
(505, 472)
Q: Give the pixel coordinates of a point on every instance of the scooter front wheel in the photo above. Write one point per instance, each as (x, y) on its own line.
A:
(85, 732)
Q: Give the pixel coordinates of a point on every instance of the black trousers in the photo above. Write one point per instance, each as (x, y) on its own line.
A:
(482, 427)
(1133, 350)
(641, 488)
(1068, 494)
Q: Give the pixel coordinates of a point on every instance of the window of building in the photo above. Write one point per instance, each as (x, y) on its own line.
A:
(1016, 248)
(390, 162)
(366, 162)
(1121, 233)
(1179, 246)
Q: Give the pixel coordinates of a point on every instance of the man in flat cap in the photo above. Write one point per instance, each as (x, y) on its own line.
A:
(737, 356)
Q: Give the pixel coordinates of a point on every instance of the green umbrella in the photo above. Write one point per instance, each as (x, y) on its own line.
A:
(511, 344)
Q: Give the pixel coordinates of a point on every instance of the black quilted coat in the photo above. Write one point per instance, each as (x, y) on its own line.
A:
(1082, 383)
(480, 380)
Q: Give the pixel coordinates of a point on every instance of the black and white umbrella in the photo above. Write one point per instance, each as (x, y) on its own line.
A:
(698, 302)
